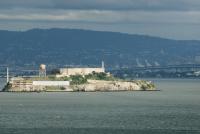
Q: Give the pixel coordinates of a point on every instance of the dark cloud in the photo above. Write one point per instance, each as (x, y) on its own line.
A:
(170, 18)
(104, 4)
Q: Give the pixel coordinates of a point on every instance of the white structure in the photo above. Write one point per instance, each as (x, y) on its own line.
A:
(80, 71)
(7, 74)
(51, 83)
(197, 73)
(42, 70)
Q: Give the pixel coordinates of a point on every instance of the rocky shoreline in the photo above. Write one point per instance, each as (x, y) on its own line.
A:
(90, 86)
(99, 85)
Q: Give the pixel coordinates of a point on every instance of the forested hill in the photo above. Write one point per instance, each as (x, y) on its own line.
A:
(84, 47)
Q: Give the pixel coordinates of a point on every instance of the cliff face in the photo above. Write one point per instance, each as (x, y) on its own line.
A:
(99, 85)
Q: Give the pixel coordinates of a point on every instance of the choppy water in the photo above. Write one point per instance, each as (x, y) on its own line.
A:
(175, 109)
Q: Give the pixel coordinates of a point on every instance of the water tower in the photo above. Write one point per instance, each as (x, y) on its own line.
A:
(42, 70)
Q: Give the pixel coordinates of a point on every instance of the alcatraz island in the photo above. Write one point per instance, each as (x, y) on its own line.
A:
(75, 80)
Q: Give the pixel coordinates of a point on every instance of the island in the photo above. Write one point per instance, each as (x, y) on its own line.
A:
(76, 80)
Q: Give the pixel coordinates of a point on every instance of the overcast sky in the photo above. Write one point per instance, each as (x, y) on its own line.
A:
(178, 19)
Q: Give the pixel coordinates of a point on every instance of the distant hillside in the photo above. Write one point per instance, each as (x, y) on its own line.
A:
(82, 47)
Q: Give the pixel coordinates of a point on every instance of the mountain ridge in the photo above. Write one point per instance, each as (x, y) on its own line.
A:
(87, 47)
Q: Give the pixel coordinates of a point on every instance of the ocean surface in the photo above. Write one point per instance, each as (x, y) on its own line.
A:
(174, 109)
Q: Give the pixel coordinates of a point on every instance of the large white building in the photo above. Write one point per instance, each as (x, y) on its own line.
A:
(80, 71)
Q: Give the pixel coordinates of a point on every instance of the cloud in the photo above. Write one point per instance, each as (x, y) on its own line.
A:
(104, 4)
(154, 17)
(103, 16)
(102, 11)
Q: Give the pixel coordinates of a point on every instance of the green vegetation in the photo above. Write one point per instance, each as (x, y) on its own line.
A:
(145, 84)
(7, 87)
(100, 76)
(78, 79)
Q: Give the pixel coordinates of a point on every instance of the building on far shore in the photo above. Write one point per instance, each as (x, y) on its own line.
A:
(80, 71)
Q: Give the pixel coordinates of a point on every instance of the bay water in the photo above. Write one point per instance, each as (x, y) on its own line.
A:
(174, 109)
